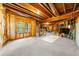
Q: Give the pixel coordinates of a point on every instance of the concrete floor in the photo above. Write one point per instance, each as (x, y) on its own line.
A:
(49, 45)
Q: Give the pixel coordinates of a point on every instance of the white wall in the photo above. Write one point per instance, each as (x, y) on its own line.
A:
(77, 32)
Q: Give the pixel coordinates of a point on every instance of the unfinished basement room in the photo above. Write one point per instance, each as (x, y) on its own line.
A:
(39, 29)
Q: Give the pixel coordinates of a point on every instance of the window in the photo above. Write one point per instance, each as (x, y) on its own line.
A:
(27, 27)
(20, 26)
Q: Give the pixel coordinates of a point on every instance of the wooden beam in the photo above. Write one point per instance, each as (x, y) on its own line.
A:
(41, 8)
(64, 8)
(22, 11)
(45, 4)
(65, 16)
(47, 7)
(54, 10)
(74, 7)
(32, 9)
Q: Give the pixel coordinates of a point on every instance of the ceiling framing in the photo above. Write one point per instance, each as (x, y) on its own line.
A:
(44, 12)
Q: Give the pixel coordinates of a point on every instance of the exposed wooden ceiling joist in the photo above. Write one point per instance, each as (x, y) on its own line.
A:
(22, 14)
(69, 7)
(65, 16)
(47, 11)
(41, 8)
(59, 7)
(74, 6)
(33, 9)
(18, 9)
(54, 10)
(47, 7)
(64, 8)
